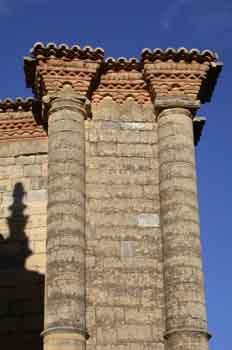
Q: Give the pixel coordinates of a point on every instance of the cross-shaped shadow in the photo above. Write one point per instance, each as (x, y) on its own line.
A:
(21, 290)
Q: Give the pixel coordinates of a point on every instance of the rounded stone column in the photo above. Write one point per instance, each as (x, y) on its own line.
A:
(65, 326)
(186, 325)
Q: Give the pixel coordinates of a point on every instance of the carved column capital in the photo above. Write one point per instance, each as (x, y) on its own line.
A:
(184, 105)
(66, 99)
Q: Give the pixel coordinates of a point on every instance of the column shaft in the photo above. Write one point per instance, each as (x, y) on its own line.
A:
(65, 277)
(186, 326)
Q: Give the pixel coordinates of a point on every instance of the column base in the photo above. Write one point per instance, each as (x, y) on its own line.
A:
(64, 338)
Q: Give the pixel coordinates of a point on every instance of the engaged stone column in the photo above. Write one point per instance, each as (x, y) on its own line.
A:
(62, 77)
(65, 326)
(186, 326)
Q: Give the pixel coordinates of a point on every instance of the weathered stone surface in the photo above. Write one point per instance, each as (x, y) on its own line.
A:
(65, 279)
(124, 277)
(183, 280)
(23, 230)
(15, 149)
(148, 220)
(134, 333)
(108, 204)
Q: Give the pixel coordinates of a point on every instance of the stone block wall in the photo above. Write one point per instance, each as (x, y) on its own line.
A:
(23, 198)
(124, 278)
(114, 213)
(125, 306)
(124, 254)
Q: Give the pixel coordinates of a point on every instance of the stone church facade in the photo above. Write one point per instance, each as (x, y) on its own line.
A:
(98, 194)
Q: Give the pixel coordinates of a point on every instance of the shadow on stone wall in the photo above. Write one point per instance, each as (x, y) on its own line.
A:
(21, 290)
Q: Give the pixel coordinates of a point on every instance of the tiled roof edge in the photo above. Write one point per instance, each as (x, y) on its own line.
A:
(63, 50)
(17, 104)
(177, 54)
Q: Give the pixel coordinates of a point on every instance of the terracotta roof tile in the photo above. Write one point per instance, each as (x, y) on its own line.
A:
(40, 50)
(179, 54)
(17, 104)
(122, 63)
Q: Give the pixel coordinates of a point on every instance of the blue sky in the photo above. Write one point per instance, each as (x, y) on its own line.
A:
(123, 28)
